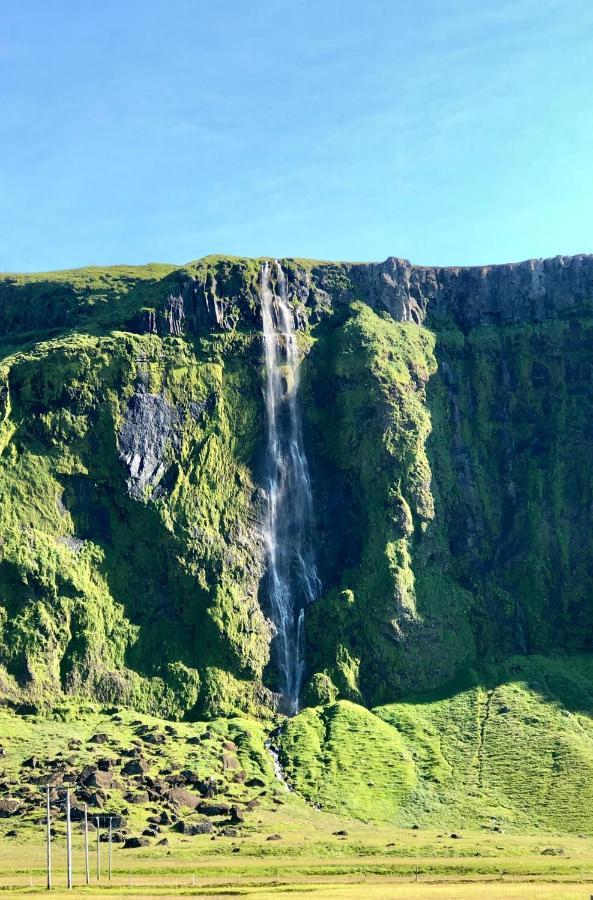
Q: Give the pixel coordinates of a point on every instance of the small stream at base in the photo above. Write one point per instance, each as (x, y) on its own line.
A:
(272, 749)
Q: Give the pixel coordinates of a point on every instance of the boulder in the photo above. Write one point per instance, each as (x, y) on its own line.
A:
(182, 797)
(132, 843)
(229, 762)
(99, 779)
(137, 766)
(208, 787)
(255, 783)
(139, 797)
(100, 738)
(193, 828)
(154, 737)
(214, 809)
(9, 806)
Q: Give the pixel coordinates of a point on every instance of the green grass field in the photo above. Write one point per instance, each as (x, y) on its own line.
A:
(369, 861)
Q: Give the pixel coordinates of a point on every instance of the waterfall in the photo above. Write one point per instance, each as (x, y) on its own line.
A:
(291, 573)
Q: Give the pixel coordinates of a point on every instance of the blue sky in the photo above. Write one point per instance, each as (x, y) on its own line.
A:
(451, 132)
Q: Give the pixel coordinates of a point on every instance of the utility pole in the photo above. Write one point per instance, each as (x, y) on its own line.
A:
(68, 840)
(110, 820)
(98, 852)
(86, 846)
(48, 837)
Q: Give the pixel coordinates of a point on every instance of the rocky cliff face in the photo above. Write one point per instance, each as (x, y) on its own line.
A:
(530, 291)
(450, 445)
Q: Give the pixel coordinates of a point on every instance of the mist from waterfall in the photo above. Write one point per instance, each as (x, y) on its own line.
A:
(292, 574)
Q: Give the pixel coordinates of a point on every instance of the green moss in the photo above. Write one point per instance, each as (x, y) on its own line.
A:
(386, 625)
(513, 750)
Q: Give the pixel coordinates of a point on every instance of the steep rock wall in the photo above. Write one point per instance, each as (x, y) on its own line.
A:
(450, 447)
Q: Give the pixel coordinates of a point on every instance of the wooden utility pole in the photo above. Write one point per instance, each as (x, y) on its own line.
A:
(68, 840)
(48, 837)
(87, 872)
(98, 852)
(110, 820)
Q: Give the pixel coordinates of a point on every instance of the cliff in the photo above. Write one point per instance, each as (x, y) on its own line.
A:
(447, 427)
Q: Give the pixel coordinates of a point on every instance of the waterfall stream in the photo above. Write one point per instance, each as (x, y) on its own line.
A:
(292, 574)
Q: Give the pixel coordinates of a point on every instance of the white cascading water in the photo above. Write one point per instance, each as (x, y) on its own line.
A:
(292, 573)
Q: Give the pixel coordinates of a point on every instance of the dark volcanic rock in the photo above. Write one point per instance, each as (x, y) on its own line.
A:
(181, 797)
(136, 767)
(131, 843)
(193, 828)
(150, 425)
(208, 787)
(9, 806)
(214, 809)
(154, 737)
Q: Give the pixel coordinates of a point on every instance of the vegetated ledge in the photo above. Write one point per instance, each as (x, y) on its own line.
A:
(221, 293)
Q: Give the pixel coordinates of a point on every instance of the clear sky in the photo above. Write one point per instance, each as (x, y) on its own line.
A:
(444, 131)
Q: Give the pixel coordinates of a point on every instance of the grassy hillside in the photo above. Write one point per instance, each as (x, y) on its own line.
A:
(513, 752)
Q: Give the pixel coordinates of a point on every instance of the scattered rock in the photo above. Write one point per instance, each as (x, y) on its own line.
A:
(154, 738)
(131, 843)
(503, 710)
(341, 833)
(139, 797)
(163, 843)
(208, 787)
(31, 763)
(116, 837)
(137, 766)
(99, 779)
(193, 828)
(182, 797)
(229, 762)
(229, 745)
(553, 851)
(11, 834)
(9, 806)
(100, 738)
(214, 809)
(274, 837)
(455, 836)
(255, 783)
